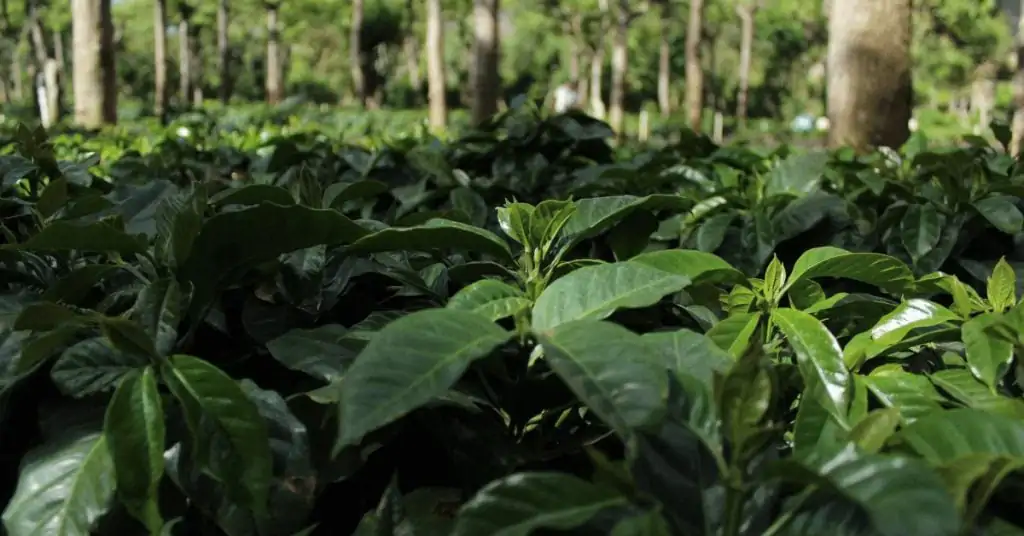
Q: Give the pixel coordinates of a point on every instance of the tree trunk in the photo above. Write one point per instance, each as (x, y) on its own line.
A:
(746, 15)
(485, 54)
(51, 78)
(196, 72)
(355, 51)
(94, 75)
(223, 51)
(1017, 126)
(694, 70)
(869, 82)
(597, 108)
(160, 59)
(665, 62)
(274, 80)
(620, 62)
(437, 93)
(184, 57)
(411, 50)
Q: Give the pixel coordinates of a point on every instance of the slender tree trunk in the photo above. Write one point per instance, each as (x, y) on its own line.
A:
(486, 53)
(437, 92)
(196, 72)
(665, 62)
(184, 56)
(869, 82)
(160, 59)
(355, 50)
(45, 64)
(597, 108)
(224, 51)
(620, 62)
(694, 69)
(746, 15)
(1017, 126)
(412, 50)
(274, 80)
(94, 77)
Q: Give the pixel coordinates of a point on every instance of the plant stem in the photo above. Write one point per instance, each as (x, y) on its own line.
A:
(733, 505)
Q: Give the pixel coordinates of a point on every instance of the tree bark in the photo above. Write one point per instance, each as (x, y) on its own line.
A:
(94, 67)
(411, 50)
(694, 69)
(665, 62)
(160, 59)
(355, 51)
(224, 51)
(485, 66)
(746, 14)
(184, 55)
(869, 81)
(196, 72)
(274, 80)
(45, 64)
(436, 90)
(620, 62)
(597, 108)
(1017, 125)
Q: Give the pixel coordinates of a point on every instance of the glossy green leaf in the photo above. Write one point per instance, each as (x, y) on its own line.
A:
(698, 266)
(610, 369)
(883, 271)
(159, 311)
(522, 503)
(920, 229)
(134, 430)
(910, 394)
(490, 298)
(797, 175)
(820, 360)
(595, 292)
(1002, 286)
(325, 352)
(734, 332)
(988, 356)
(227, 430)
(408, 363)
(1002, 213)
(92, 366)
(596, 215)
(63, 489)
(871, 433)
(434, 234)
(689, 352)
(966, 389)
(514, 219)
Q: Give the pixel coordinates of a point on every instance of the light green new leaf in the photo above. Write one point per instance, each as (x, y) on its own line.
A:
(1002, 286)
(435, 234)
(988, 356)
(158, 310)
(819, 358)
(734, 333)
(519, 504)
(883, 271)
(595, 292)
(871, 433)
(134, 430)
(698, 266)
(490, 298)
(215, 405)
(63, 489)
(610, 369)
(514, 219)
(407, 364)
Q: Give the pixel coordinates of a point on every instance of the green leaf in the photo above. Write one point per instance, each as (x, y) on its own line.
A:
(797, 175)
(945, 436)
(1002, 286)
(893, 328)
(963, 387)
(774, 280)
(698, 266)
(522, 503)
(820, 360)
(100, 237)
(650, 523)
(910, 394)
(690, 352)
(920, 230)
(988, 356)
(490, 298)
(93, 366)
(44, 316)
(1001, 212)
(407, 364)
(734, 333)
(337, 194)
(64, 488)
(547, 220)
(433, 235)
(712, 232)
(595, 292)
(158, 311)
(255, 234)
(253, 194)
(229, 435)
(134, 430)
(324, 353)
(596, 215)
(514, 219)
(871, 433)
(610, 369)
(883, 271)
(73, 288)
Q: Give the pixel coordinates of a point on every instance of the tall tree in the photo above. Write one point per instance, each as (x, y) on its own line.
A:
(436, 90)
(486, 80)
(185, 63)
(223, 51)
(620, 63)
(275, 75)
(694, 69)
(45, 63)
(869, 82)
(94, 79)
(160, 58)
(665, 59)
(597, 107)
(745, 10)
(1017, 126)
(411, 48)
(355, 50)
